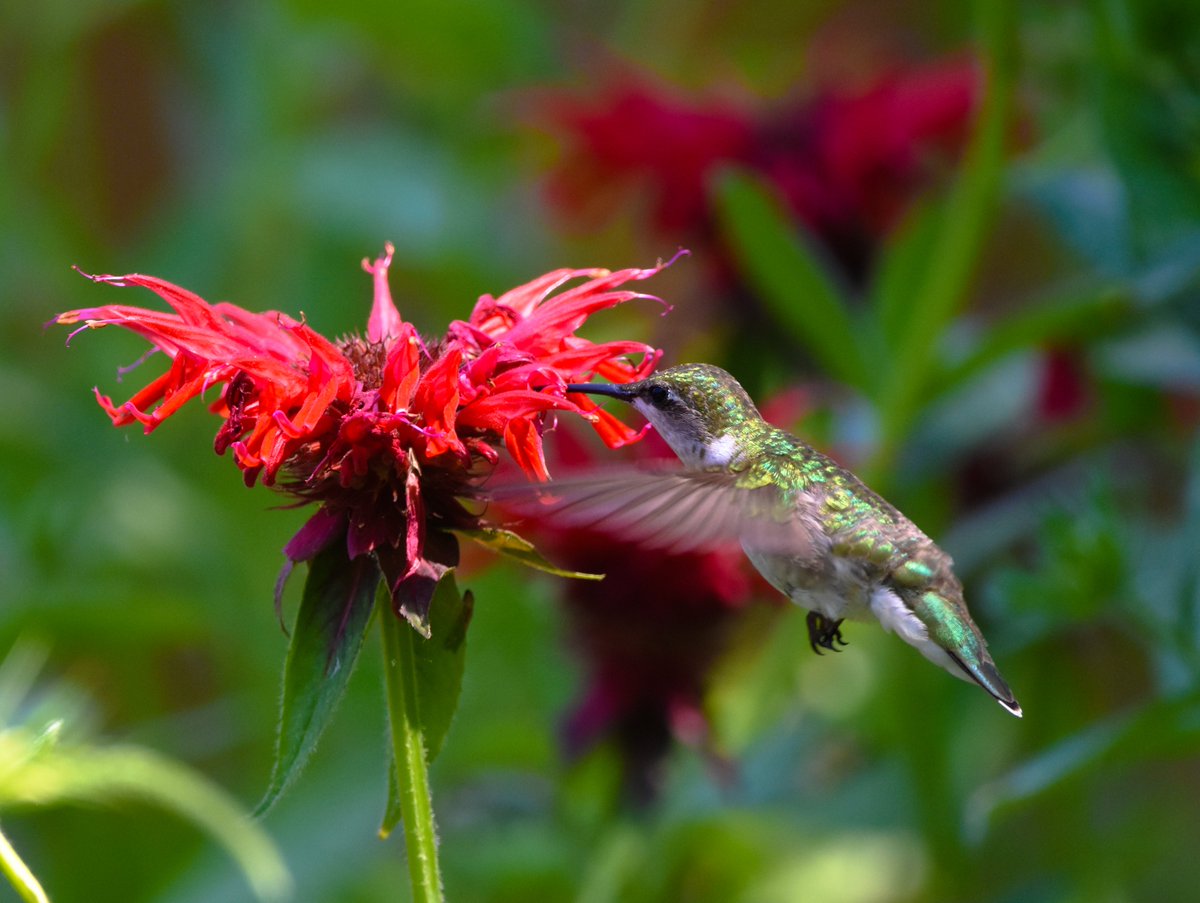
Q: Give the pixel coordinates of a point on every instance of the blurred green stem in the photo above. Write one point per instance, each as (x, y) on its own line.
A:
(408, 753)
(18, 874)
(964, 223)
(940, 293)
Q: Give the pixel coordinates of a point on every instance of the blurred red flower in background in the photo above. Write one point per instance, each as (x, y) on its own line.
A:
(384, 431)
(1064, 390)
(846, 162)
(649, 633)
(652, 631)
(636, 139)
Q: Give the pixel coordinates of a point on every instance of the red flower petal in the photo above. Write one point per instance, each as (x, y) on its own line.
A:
(402, 370)
(436, 401)
(384, 324)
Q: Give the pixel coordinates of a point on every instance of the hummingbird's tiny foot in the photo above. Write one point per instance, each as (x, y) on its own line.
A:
(823, 632)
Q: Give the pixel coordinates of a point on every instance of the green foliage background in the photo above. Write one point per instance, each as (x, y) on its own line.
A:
(256, 152)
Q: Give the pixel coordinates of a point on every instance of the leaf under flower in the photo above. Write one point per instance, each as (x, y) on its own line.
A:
(517, 547)
(339, 596)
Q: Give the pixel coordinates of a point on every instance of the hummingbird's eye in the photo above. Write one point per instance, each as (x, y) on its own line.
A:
(659, 395)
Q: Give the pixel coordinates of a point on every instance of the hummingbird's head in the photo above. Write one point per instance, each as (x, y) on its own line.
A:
(700, 410)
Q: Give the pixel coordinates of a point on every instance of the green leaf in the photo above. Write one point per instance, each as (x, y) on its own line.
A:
(94, 774)
(18, 874)
(393, 810)
(954, 251)
(338, 599)
(1162, 727)
(902, 263)
(508, 543)
(788, 276)
(1075, 319)
(1136, 76)
(44, 762)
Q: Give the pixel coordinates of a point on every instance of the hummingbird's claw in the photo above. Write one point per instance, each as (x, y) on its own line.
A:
(823, 632)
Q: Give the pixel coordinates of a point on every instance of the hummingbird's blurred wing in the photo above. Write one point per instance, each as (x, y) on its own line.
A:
(674, 510)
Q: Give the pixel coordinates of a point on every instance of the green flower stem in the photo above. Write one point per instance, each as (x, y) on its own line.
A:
(18, 874)
(968, 215)
(408, 753)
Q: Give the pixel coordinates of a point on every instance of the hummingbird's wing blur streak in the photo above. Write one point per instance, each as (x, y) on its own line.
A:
(674, 510)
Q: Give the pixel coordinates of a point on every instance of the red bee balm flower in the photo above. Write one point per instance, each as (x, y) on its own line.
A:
(847, 163)
(385, 431)
(652, 632)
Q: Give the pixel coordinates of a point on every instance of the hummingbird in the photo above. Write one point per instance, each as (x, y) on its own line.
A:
(810, 527)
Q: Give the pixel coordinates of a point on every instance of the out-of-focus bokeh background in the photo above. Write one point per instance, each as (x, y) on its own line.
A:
(957, 246)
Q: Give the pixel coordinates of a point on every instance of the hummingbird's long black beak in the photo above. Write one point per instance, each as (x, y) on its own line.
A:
(614, 391)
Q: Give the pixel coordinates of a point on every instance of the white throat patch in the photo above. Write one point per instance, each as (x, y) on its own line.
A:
(720, 452)
(690, 448)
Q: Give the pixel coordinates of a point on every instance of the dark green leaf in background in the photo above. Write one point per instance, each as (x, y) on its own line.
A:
(1070, 320)
(790, 278)
(939, 289)
(48, 759)
(905, 256)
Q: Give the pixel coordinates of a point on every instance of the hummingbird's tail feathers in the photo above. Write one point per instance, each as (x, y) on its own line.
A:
(988, 676)
(938, 625)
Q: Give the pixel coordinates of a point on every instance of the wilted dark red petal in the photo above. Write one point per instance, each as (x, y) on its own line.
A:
(412, 583)
(414, 510)
(413, 593)
(368, 532)
(318, 532)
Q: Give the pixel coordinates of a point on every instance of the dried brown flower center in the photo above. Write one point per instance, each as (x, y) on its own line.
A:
(367, 359)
